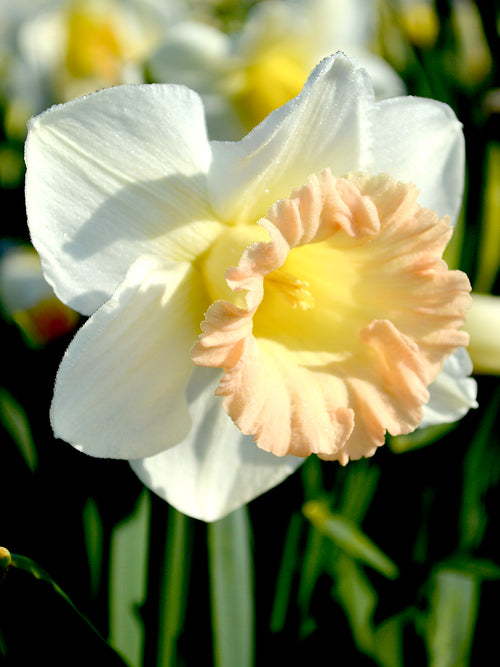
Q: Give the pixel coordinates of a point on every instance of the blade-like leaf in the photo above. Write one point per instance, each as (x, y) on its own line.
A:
(231, 586)
(16, 423)
(348, 537)
(452, 619)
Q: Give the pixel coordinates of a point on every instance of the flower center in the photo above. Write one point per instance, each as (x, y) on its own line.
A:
(333, 316)
(296, 292)
(93, 48)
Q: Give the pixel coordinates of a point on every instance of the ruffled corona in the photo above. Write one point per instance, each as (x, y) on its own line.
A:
(338, 315)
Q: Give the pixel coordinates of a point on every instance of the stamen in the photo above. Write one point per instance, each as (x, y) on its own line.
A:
(330, 362)
(295, 291)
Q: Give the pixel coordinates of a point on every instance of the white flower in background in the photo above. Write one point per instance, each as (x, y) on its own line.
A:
(483, 325)
(242, 77)
(55, 50)
(328, 308)
(27, 299)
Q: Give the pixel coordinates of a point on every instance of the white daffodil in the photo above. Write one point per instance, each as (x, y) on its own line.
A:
(328, 308)
(244, 76)
(59, 49)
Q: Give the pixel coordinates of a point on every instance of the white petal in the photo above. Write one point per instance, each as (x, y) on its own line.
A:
(197, 56)
(483, 325)
(421, 141)
(192, 54)
(215, 469)
(120, 389)
(110, 177)
(327, 125)
(453, 392)
(386, 81)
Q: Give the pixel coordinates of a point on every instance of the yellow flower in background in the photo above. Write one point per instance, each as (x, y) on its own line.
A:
(244, 76)
(309, 253)
(474, 60)
(419, 21)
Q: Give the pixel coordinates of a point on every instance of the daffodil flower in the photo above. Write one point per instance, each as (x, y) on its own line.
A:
(55, 50)
(244, 75)
(309, 253)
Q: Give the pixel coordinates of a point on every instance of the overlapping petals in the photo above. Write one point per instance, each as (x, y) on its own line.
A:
(126, 371)
(132, 210)
(216, 468)
(96, 202)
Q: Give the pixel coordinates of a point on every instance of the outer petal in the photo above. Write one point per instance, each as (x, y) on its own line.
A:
(120, 389)
(327, 125)
(215, 469)
(386, 81)
(453, 392)
(421, 141)
(113, 176)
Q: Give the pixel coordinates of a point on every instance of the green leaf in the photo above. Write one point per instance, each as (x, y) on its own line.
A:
(482, 568)
(422, 437)
(360, 484)
(489, 248)
(286, 572)
(40, 624)
(312, 561)
(358, 599)
(452, 619)
(16, 423)
(231, 585)
(93, 532)
(481, 472)
(174, 585)
(388, 642)
(348, 537)
(127, 580)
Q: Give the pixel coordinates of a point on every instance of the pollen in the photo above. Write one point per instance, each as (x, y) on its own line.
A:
(296, 292)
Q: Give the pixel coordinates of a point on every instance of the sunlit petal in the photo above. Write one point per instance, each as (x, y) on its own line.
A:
(328, 125)
(112, 176)
(120, 389)
(421, 141)
(216, 468)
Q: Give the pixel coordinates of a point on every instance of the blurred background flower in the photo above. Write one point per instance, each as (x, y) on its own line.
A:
(54, 50)
(244, 74)
(28, 300)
